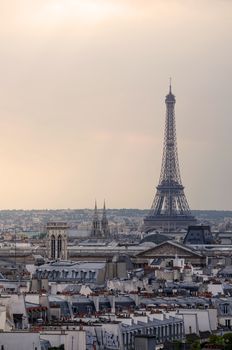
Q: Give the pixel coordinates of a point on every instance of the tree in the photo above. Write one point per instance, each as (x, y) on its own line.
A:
(228, 341)
(196, 345)
(177, 345)
(216, 339)
(61, 347)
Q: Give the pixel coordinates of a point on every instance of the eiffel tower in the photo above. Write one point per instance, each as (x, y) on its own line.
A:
(170, 210)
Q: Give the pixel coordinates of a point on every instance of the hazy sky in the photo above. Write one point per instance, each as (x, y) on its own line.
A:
(82, 88)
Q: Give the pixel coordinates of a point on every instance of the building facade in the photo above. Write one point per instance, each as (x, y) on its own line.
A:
(57, 240)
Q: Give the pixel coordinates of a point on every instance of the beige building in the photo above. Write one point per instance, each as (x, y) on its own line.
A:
(57, 240)
(168, 251)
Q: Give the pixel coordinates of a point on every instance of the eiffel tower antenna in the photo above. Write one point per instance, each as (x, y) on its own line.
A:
(170, 210)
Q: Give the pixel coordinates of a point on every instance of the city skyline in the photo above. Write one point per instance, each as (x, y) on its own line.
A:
(82, 108)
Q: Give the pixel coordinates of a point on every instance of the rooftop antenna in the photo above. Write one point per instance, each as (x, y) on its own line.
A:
(170, 85)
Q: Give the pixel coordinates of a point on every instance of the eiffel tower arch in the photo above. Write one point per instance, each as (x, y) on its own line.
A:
(170, 210)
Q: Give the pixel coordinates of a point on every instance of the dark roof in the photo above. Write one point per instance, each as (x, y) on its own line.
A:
(199, 234)
(156, 238)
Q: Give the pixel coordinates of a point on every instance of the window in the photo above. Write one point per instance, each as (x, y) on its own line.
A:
(225, 308)
(53, 247)
(59, 246)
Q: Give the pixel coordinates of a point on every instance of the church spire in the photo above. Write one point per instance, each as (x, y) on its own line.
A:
(104, 208)
(104, 222)
(95, 232)
(95, 209)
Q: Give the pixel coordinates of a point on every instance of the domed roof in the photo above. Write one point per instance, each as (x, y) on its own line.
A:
(156, 238)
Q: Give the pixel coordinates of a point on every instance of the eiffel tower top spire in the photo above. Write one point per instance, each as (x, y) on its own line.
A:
(170, 171)
(170, 98)
(170, 210)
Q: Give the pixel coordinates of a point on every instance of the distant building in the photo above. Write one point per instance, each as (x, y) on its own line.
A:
(199, 234)
(167, 251)
(224, 308)
(100, 228)
(104, 223)
(145, 342)
(156, 238)
(68, 271)
(57, 240)
(96, 227)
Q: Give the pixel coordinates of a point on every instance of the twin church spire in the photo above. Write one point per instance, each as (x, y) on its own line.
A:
(100, 228)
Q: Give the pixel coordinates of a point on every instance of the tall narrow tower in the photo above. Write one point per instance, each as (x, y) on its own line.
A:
(57, 240)
(170, 210)
(96, 229)
(104, 223)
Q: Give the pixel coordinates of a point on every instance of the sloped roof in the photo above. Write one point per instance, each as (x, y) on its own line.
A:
(176, 248)
(199, 234)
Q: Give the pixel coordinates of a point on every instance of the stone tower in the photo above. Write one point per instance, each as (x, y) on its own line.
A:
(57, 240)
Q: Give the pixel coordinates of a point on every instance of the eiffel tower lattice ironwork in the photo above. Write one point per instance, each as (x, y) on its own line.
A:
(170, 210)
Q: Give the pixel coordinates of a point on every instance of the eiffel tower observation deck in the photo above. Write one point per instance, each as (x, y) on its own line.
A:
(170, 210)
